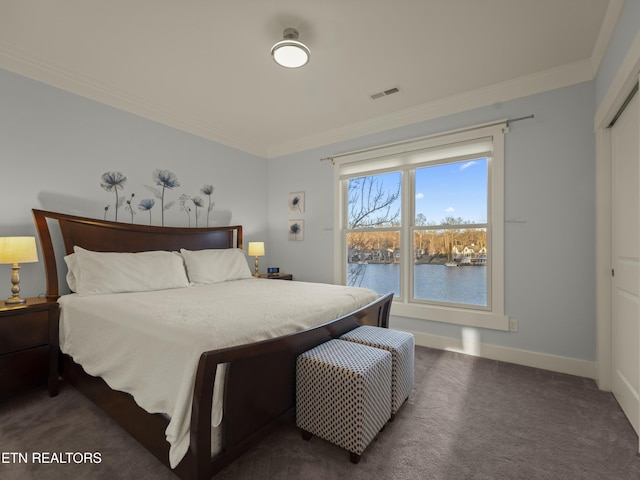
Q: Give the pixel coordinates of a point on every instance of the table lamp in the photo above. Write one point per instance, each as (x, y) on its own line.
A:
(256, 249)
(13, 251)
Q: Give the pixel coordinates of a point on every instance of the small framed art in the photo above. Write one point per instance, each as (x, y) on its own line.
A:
(296, 203)
(296, 230)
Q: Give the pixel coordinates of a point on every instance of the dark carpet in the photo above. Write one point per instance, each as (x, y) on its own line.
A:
(467, 418)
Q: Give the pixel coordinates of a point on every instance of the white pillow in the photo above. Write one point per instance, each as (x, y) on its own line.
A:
(72, 270)
(111, 272)
(214, 266)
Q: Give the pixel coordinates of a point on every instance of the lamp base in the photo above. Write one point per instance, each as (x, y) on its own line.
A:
(15, 301)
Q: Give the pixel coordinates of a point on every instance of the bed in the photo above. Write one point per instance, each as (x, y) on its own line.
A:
(254, 376)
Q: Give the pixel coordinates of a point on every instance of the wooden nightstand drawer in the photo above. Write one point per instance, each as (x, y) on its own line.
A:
(18, 332)
(29, 346)
(24, 369)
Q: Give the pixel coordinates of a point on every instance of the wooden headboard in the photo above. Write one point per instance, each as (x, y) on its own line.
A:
(108, 236)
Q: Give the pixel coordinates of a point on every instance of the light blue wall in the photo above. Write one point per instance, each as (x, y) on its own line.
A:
(54, 147)
(549, 185)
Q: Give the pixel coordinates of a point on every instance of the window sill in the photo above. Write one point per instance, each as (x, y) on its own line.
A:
(458, 316)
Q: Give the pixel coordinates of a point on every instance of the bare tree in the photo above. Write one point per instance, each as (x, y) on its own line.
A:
(370, 205)
(421, 220)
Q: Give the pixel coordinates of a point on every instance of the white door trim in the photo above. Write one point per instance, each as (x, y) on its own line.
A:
(603, 259)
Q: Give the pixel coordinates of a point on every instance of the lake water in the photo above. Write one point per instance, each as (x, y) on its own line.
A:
(466, 285)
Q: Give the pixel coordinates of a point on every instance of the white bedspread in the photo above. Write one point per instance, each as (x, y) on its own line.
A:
(148, 344)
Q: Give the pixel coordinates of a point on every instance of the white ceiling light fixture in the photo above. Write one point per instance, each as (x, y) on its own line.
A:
(290, 53)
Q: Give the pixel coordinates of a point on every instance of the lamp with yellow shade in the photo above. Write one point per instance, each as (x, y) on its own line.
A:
(14, 251)
(256, 249)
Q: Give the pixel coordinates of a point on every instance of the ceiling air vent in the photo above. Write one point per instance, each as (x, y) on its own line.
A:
(384, 93)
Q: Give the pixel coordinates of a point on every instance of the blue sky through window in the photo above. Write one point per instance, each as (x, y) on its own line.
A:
(457, 190)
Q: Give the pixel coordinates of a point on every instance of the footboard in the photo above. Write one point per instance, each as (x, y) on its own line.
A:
(259, 389)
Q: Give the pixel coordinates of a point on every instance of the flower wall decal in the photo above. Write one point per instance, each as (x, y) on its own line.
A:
(165, 179)
(185, 207)
(146, 205)
(112, 182)
(208, 190)
(128, 208)
(198, 202)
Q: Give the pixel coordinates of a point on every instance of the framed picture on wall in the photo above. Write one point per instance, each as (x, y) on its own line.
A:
(296, 203)
(296, 230)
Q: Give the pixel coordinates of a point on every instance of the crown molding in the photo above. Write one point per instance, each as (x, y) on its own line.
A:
(623, 82)
(13, 60)
(607, 28)
(551, 79)
(40, 70)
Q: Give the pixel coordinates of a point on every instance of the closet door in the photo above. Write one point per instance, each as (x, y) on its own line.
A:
(625, 219)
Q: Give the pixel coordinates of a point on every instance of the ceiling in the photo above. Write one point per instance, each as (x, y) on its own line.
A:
(204, 66)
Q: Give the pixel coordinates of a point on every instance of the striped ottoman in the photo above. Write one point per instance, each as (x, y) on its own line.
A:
(401, 345)
(342, 394)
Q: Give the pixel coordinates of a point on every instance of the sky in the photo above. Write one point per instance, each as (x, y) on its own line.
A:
(453, 190)
(457, 190)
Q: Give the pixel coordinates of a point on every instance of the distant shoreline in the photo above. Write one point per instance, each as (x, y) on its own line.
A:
(425, 260)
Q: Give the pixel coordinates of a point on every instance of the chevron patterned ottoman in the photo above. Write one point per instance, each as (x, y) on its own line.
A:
(342, 394)
(402, 346)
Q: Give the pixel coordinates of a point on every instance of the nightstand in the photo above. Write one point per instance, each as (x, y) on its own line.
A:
(29, 346)
(277, 276)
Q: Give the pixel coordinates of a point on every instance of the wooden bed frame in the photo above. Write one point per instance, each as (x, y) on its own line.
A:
(259, 390)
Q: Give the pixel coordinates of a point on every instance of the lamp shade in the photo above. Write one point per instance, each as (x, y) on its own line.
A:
(256, 249)
(18, 250)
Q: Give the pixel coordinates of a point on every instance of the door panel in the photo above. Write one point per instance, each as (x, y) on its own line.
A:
(625, 219)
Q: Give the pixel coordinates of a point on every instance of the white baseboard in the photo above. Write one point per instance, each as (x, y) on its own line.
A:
(555, 363)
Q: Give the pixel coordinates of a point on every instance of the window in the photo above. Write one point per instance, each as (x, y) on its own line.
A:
(424, 219)
(450, 232)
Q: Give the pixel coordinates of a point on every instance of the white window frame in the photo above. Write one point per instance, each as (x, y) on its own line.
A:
(407, 156)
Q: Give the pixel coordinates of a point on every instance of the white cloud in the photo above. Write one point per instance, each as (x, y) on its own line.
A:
(419, 196)
(467, 165)
(450, 210)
